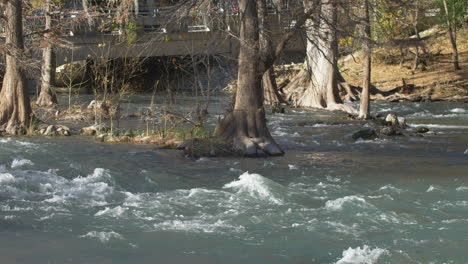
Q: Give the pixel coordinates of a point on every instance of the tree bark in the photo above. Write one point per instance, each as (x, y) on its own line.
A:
(270, 87)
(47, 96)
(136, 7)
(246, 125)
(452, 37)
(15, 108)
(320, 88)
(364, 109)
(87, 14)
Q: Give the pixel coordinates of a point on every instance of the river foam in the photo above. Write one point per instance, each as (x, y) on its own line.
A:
(104, 237)
(258, 187)
(364, 255)
(16, 163)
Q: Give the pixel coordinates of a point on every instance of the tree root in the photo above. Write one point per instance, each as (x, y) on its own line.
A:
(248, 133)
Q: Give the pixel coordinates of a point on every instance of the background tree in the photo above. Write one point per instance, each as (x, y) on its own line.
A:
(47, 95)
(451, 31)
(364, 109)
(317, 86)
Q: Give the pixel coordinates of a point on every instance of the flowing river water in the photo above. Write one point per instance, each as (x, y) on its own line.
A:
(330, 199)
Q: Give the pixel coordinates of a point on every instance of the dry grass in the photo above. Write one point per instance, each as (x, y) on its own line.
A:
(439, 79)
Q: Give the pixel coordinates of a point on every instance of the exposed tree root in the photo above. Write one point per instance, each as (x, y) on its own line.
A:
(272, 95)
(248, 133)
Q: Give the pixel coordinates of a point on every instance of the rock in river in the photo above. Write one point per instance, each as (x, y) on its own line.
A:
(365, 133)
(422, 130)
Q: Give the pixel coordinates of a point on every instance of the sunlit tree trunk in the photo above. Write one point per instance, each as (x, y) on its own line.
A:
(246, 125)
(364, 109)
(87, 14)
(15, 108)
(453, 39)
(47, 96)
(317, 85)
(136, 6)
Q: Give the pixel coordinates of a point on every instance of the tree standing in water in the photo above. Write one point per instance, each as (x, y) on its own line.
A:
(245, 126)
(317, 86)
(15, 108)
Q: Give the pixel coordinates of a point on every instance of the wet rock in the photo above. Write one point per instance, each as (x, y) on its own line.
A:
(401, 122)
(365, 133)
(388, 131)
(94, 130)
(391, 119)
(278, 109)
(422, 130)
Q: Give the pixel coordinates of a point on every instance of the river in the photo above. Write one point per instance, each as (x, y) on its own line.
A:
(330, 199)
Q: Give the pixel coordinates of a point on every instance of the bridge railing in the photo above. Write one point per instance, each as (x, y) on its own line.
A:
(151, 19)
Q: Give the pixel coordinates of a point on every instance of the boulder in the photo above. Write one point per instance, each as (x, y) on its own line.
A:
(55, 130)
(365, 133)
(93, 130)
(392, 120)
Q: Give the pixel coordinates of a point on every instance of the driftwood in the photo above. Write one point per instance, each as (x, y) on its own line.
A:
(398, 97)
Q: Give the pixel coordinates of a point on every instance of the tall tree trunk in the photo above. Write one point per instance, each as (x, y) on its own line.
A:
(270, 87)
(136, 7)
(87, 14)
(15, 108)
(47, 96)
(417, 58)
(452, 37)
(317, 85)
(246, 125)
(364, 109)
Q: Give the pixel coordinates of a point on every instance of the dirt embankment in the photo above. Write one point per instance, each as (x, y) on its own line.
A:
(433, 79)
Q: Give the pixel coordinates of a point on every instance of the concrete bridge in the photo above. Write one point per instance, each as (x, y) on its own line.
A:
(156, 32)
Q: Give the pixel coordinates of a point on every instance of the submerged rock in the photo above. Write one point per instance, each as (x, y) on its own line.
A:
(365, 133)
(422, 130)
(388, 131)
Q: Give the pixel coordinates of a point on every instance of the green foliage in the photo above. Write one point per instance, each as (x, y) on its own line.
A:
(458, 10)
(131, 32)
(184, 133)
(33, 126)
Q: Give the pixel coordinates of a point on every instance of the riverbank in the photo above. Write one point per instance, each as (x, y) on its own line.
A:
(434, 81)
